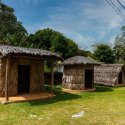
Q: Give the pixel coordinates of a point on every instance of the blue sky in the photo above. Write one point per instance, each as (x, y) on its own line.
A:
(85, 21)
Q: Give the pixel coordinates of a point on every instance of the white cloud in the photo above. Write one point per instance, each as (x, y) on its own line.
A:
(112, 40)
(103, 15)
(83, 21)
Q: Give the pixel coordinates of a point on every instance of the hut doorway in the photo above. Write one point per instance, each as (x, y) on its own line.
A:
(120, 78)
(23, 79)
(88, 79)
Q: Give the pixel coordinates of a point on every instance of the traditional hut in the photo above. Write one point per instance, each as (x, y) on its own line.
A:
(22, 70)
(109, 75)
(78, 73)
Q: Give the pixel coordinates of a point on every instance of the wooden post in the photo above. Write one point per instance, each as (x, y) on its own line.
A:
(52, 77)
(6, 80)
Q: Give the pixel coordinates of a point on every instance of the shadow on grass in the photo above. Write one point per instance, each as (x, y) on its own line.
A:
(63, 96)
(60, 96)
(103, 89)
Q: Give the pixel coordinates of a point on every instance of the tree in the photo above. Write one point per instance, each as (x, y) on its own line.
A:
(84, 53)
(72, 48)
(11, 31)
(53, 41)
(119, 46)
(104, 53)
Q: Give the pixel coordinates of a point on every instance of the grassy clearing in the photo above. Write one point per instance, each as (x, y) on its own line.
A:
(106, 106)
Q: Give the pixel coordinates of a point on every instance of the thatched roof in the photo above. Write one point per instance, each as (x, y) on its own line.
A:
(80, 60)
(6, 50)
(107, 74)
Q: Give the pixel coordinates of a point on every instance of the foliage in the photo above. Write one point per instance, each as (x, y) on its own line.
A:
(11, 31)
(119, 46)
(53, 41)
(84, 53)
(56, 42)
(104, 53)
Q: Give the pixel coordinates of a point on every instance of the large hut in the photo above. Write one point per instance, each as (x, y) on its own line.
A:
(22, 70)
(109, 75)
(78, 73)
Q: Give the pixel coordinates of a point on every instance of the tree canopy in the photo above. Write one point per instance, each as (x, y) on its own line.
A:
(119, 46)
(53, 41)
(104, 53)
(11, 31)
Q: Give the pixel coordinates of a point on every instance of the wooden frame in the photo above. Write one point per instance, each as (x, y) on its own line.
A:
(6, 79)
(52, 77)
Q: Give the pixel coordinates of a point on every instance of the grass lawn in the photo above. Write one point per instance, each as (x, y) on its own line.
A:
(106, 106)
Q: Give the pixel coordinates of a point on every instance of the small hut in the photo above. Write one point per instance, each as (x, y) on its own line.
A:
(79, 73)
(109, 75)
(22, 70)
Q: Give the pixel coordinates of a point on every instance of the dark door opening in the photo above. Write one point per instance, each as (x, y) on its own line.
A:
(88, 79)
(120, 78)
(23, 79)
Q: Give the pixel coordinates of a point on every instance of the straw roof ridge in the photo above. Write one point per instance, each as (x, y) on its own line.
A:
(6, 50)
(80, 60)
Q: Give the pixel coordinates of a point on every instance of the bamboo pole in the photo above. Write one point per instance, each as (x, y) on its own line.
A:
(6, 80)
(52, 77)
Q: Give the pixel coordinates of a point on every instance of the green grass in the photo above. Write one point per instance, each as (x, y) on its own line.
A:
(106, 106)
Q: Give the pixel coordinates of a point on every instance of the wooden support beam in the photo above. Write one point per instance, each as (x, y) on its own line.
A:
(52, 77)
(6, 79)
